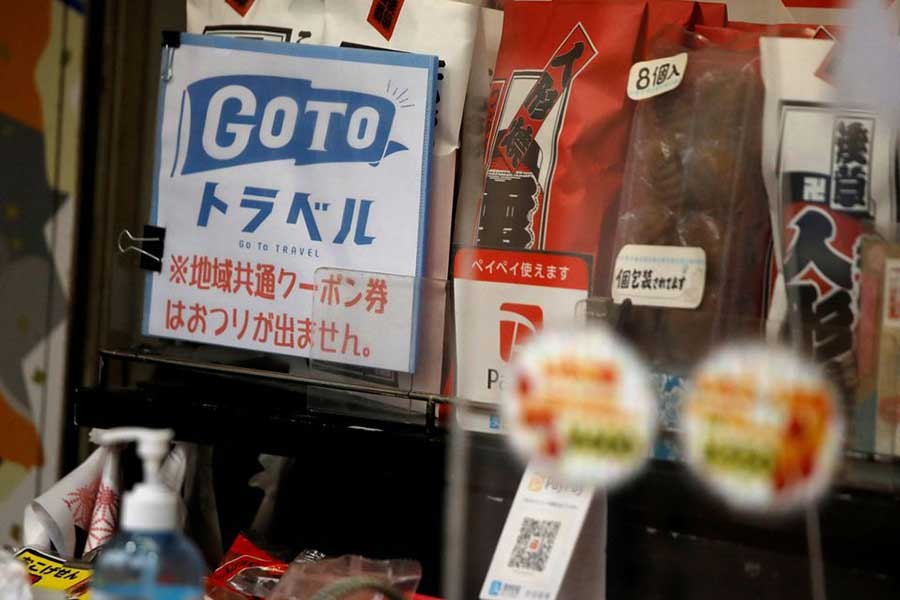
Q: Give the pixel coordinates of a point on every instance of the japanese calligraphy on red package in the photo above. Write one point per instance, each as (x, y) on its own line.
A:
(558, 129)
(829, 172)
(274, 161)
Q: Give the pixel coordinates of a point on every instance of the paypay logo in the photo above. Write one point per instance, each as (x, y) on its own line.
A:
(243, 119)
(536, 483)
(518, 323)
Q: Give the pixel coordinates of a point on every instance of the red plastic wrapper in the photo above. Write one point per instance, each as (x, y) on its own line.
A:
(694, 179)
(246, 572)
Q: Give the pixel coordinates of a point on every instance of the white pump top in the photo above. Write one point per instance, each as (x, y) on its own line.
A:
(151, 505)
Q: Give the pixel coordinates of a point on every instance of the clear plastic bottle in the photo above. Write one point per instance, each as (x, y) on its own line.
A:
(150, 559)
(145, 565)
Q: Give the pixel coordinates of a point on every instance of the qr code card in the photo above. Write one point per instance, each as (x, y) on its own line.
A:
(534, 544)
(538, 538)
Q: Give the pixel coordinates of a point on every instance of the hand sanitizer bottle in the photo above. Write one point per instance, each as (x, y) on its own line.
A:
(149, 559)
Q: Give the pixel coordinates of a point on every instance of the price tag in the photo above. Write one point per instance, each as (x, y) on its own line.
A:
(761, 427)
(581, 407)
(654, 77)
(663, 276)
(538, 539)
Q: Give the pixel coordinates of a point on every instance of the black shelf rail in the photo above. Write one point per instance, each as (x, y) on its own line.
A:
(208, 403)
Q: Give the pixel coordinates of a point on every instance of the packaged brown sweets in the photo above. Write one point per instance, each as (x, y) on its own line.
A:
(693, 180)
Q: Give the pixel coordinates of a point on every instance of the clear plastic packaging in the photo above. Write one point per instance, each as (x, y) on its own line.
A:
(305, 579)
(693, 179)
(13, 578)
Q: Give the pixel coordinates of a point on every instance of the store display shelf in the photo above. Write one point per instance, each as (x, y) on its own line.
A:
(207, 402)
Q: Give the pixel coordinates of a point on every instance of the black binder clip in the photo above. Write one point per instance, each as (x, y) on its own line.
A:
(152, 243)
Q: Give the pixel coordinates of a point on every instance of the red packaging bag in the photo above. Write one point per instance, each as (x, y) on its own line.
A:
(660, 15)
(712, 14)
(558, 134)
(247, 572)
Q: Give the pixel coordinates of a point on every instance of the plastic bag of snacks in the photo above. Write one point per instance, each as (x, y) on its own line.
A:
(291, 21)
(693, 180)
(557, 135)
(246, 572)
(829, 176)
(304, 579)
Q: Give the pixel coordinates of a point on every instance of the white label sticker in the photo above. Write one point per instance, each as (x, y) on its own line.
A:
(664, 276)
(654, 77)
(538, 539)
(891, 293)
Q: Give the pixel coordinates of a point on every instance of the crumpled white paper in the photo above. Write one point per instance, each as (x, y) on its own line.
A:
(88, 498)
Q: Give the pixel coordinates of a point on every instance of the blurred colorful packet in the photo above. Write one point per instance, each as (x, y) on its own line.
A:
(53, 573)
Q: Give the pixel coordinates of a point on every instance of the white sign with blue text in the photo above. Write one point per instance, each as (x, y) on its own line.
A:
(274, 160)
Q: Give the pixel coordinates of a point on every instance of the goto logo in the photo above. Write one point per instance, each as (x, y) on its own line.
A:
(243, 119)
(520, 323)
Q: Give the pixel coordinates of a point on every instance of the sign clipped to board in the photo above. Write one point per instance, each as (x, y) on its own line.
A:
(273, 161)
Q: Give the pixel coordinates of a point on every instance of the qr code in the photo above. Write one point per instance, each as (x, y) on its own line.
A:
(534, 544)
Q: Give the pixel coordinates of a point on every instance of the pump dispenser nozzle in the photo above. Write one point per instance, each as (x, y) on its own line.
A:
(151, 505)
